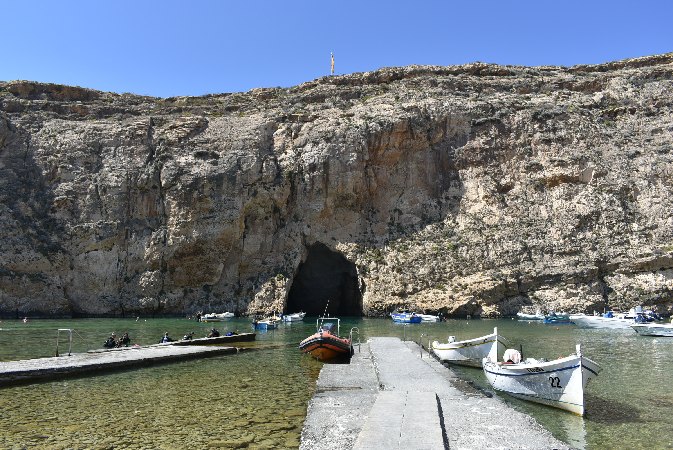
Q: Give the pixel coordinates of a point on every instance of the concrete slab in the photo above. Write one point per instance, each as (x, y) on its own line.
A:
(413, 403)
(344, 395)
(78, 364)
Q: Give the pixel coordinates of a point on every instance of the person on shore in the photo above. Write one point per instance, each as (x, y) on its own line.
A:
(198, 316)
(124, 341)
(166, 338)
(111, 341)
(213, 333)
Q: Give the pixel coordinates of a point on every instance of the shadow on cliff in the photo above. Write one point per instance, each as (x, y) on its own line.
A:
(29, 226)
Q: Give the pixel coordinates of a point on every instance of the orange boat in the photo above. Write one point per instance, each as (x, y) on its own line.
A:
(325, 345)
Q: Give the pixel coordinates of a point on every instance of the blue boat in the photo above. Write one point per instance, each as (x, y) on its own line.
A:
(270, 323)
(554, 318)
(405, 316)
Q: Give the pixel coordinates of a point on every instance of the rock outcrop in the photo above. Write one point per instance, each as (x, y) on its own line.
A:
(476, 189)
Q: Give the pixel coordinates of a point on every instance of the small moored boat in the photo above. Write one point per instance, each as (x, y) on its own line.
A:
(428, 318)
(559, 383)
(612, 319)
(223, 339)
(524, 316)
(405, 316)
(269, 323)
(217, 317)
(325, 344)
(469, 352)
(296, 317)
(654, 329)
(557, 318)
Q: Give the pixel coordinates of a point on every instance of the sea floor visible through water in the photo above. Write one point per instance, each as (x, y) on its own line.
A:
(257, 399)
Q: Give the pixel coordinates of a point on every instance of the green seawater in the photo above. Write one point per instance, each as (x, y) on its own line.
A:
(257, 399)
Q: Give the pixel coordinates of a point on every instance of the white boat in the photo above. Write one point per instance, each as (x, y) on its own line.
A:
(217, 317)
(613, 319)
(428, 318)
(537, 316)
(470, 352)
(559, 383)
(405, 316)
(654, 329)
(296, 317)
(269, 323)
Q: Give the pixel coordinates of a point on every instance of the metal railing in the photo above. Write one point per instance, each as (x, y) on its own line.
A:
(350, 337)
(58, 334)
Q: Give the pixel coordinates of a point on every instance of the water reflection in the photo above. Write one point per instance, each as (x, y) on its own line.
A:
(575, 431)
(607, 411)
(258, 399)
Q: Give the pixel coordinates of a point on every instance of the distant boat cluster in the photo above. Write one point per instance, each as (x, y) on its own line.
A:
(643, 322)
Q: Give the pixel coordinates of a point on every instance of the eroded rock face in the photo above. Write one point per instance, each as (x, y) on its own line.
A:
(475, 189)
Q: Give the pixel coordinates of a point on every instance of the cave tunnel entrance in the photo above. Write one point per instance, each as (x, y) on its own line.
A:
(325, 275)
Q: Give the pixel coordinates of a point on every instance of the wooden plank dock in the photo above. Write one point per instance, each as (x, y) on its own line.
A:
(99, 361)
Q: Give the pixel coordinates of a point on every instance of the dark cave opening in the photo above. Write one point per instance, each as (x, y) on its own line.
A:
(325, 275)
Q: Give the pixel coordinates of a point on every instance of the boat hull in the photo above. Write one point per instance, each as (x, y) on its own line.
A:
(663, 330)
(266, 325)
(469, 352)
(559, 383)
(403, 318)
(428, 318)
(217, 317)
(298, 317)
(326, 347)
(524, 316)
(601, 322)
(241, 337)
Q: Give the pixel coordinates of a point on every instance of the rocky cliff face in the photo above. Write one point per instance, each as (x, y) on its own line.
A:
(476, 189)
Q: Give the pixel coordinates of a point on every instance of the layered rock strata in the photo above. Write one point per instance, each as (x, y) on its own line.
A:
(476, 189)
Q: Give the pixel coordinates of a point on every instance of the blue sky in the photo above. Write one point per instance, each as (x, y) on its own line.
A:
(166, 48)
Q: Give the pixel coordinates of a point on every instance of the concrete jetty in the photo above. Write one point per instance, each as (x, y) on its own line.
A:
(394, 395)
(91, 363)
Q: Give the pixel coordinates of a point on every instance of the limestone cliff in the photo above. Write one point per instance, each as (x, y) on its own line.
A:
(476, 189)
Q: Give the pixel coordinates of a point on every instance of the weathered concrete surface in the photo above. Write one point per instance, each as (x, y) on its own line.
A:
(77, 364)
(345, 393)
(405, 412)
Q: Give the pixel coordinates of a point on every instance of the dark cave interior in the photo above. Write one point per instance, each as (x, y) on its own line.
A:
(325, 275)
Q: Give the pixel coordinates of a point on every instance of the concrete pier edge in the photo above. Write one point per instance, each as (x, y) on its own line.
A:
(79, 365)
(395, 395)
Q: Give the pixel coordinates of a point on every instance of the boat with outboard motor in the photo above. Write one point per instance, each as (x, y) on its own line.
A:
(557, 318)
(559, 383)
(268, 323)
(222, 339)
(326, 344)
(470, 352)
(428, 317)
(612, 319)
(217, 317)
(295, 317)
(654, 329)
(405, 316)
(525, 316)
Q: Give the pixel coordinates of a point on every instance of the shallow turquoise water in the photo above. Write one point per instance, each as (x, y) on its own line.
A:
(258, 399)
